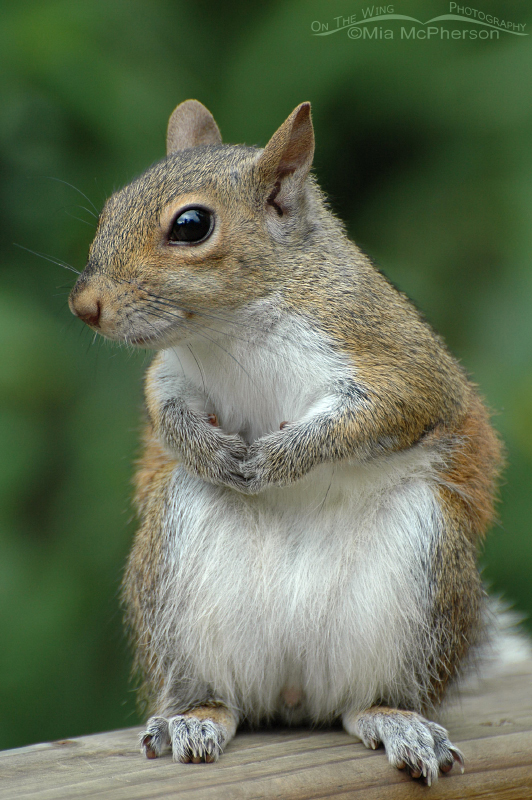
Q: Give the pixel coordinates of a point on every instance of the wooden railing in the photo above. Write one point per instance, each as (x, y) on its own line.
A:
(491, 724)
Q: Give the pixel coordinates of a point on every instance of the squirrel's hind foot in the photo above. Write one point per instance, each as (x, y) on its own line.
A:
(195, 740)
(155, 738)
(411, 742)
(198, 735)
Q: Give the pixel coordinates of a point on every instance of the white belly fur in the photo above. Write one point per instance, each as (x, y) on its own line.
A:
(316, 591)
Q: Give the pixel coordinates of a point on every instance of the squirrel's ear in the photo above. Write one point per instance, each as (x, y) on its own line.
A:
(288, 154)
(191, 125)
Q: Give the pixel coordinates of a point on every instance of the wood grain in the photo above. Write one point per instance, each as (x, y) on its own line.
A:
(492, 724)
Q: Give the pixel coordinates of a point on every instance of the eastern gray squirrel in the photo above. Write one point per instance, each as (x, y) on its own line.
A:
(318, 470)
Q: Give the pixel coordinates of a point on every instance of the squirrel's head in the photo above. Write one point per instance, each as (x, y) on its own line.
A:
(197, 232)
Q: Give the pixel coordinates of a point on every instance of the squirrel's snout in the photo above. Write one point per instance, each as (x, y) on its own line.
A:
(85, 303)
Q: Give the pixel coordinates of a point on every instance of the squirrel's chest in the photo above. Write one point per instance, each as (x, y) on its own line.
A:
(258, 377)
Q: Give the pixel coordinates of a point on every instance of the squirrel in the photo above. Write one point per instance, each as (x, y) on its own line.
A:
(318, 470)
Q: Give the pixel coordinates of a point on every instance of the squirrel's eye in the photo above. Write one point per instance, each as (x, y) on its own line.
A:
(192, 225)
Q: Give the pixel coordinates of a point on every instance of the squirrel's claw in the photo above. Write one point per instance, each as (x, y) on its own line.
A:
(412, 743)
(155, 738)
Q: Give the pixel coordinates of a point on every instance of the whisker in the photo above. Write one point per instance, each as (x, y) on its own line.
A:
(201, 332)
(88, 210)
(228, 352)
(223, 318)
(322, 504)
(202, 374)
(194, 325)
(59, 180)
(46, 257)
(79, 219)
(180, 364)
(219, 318)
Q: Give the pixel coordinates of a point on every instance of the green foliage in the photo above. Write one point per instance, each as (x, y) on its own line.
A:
(424, 148)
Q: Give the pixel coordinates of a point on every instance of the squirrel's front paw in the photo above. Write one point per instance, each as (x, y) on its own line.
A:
(221, 460)
(271, 461)
(411, 742)
(201, 445)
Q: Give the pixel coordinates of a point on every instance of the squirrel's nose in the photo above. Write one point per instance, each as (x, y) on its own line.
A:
(86, 305)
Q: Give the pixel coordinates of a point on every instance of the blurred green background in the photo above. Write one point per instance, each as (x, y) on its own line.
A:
(425, 148)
